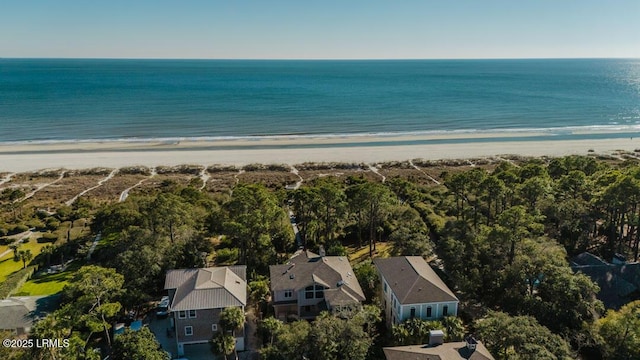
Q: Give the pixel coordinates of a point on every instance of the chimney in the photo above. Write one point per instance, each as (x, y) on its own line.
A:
(472, 343)
(321, 251)
(436, 337)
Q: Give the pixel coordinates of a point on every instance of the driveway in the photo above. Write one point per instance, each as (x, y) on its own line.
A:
(159, 328)
(198, 352)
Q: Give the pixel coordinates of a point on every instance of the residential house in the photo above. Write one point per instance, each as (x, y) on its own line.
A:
(310, 283)
(470, 349)
(18, 314)
(411, 289)
(619, 281)
(197, 296)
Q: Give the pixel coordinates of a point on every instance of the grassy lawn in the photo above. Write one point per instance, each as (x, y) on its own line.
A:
(8, 266)
(47, 284)
(383, 250)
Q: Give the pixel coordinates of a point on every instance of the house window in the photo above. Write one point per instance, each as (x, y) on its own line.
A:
(188, 330)
(192, 314)
(288, 293)
(312, 291)
(413, 312)
(445, 310)
(214, 327)
(308, 292)
(429, 311)
(182, 314)
(385, 287)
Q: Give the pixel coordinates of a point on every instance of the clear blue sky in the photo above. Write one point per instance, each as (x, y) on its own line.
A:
(344, 29)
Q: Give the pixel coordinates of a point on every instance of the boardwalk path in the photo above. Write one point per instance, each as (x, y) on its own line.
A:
(6, 179)
(125, 192)
(424, 172)
(100, 183)
(375, 170)
(42, 186)
(204, 175)
(295, 172)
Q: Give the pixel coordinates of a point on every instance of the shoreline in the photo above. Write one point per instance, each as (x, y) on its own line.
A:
(83, 155)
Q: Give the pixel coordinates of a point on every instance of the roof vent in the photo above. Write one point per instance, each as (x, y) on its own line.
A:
(340, 283)
(290, 267)
(292, 276)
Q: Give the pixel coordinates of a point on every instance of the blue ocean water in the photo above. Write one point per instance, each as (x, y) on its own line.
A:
(80, 99)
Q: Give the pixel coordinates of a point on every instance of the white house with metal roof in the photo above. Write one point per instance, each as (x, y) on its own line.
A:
(197, 296)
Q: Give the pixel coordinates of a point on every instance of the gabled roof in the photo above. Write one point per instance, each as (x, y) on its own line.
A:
(587, 258)
(207, 288)
(413, 281)
(21, 311)
(306, 268)
(618, 282)
(446, 351)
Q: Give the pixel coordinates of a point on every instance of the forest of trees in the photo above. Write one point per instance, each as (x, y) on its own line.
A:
(500, 236)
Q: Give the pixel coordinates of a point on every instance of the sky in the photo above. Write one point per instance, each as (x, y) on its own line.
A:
(327, 29)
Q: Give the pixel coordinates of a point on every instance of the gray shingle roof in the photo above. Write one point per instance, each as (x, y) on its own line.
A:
(446, 351)
(618, 282)
(21, 311)
(306, 268)
(413, 280)
(208, 288)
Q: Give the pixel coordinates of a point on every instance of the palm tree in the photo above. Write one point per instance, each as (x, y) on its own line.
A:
(230, 319)
(14, 247)
(48, 250)
(224, 344)
(25, 256)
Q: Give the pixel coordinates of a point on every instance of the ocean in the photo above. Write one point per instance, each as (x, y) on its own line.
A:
(51, 100)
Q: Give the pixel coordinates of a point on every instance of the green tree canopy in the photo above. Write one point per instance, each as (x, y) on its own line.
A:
(618, 333)
(138, 345)
(520, 337)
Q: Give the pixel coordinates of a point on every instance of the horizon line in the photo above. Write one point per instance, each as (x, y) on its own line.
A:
(317, 59)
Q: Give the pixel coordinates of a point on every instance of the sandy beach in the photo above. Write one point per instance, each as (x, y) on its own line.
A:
(30, 157)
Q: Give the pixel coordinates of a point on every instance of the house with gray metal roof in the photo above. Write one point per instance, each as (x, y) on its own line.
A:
(310, 283)
(411, 289)
(196, 298)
